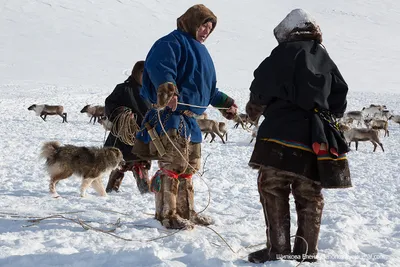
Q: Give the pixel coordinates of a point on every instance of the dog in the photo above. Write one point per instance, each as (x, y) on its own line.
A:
(88, 162)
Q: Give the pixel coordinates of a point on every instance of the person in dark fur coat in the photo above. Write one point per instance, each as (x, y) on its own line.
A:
(126, 96)
(299, 149)
(179, 68)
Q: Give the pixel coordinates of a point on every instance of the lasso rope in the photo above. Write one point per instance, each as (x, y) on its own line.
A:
(245, 127)
(184, 158)
(125, 127)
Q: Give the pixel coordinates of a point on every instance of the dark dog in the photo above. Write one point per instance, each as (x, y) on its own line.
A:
(88, 162)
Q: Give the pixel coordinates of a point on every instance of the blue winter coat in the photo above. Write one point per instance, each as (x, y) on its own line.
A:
(180, 59)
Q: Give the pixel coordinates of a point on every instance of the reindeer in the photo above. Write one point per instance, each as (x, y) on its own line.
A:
(93, 112)
(243, 119)
(222, 129)
(377, 125)
(351, 116)
(373, 111)
(395, 118)
(212, 127)
(107, 124)
(202, 116)
(361, 134)
(44, 110)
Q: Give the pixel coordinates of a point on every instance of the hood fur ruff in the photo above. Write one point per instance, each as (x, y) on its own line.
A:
(194, 17)
(298, 25)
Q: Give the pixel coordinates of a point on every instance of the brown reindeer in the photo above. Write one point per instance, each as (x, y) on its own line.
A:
(95, 112)
(44, 110)
(105, 122)
(204, 115)
(377, 125)
(222, 129)
(361, 134)
(211, 127)
(243, 119)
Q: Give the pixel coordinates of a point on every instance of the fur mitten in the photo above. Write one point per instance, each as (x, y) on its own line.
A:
(165, 93)
(254, 110)
(230, 113)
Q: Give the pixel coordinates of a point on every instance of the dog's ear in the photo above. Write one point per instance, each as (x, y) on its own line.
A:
(117, 153)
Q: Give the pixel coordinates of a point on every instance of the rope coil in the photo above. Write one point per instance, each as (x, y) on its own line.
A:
(125, 127)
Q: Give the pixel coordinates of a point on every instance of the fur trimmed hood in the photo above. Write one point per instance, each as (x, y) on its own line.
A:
(194, 17)
(298, 25)
(137, 71)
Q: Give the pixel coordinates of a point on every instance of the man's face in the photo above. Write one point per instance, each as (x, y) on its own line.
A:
(203, 32)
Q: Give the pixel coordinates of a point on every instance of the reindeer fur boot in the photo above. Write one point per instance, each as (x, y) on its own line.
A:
(140, 171)
(115, 180)
(185, 202)
(166, 204)
(274, 197)
(309, 204)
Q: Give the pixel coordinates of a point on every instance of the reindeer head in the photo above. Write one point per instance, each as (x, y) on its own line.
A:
(32, 107)
(85, 109)
(343, 127)
(367, 121)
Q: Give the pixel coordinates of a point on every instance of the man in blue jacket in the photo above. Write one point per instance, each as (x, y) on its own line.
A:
(179, 77)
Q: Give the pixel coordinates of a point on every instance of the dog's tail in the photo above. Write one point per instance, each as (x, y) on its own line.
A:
(49, 149)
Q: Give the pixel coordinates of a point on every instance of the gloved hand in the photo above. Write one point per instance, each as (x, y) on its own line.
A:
(167, 95)
(231, 112)
(173, 103)
(254, 110)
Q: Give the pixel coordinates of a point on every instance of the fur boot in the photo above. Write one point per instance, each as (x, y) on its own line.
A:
(185, 203)
(166, 199)
(274, 197)
(115, 180)
(309, 204)
(140, 171)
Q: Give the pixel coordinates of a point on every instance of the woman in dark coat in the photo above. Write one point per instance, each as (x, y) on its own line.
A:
(126, 96)
(299, 147)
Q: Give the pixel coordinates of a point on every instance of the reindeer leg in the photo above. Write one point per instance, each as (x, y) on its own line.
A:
(212, 137)
(236, 126)
(222, 138)
(62, 116)
(94, 120)
(375, 145)
(90, 119)
(205, 136)
(65, 117)
(226, 136)
(381, 145)
(43, 116)
(356, 145)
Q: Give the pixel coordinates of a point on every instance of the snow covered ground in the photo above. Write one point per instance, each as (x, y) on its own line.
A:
(74, 53)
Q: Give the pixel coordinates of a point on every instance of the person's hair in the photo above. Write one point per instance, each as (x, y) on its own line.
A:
(137, 70)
